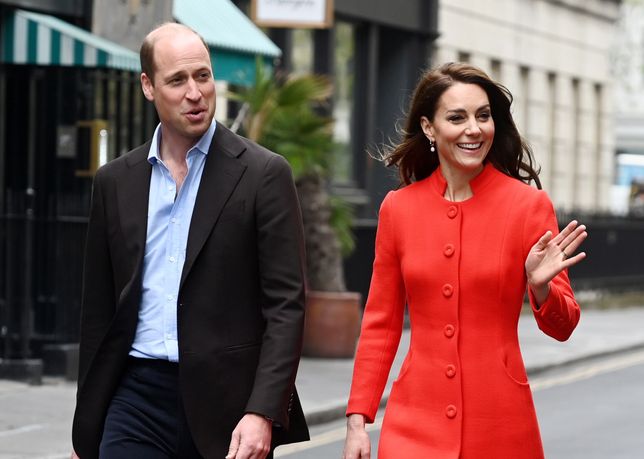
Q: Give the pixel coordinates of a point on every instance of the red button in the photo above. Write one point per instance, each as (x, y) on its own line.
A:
(449, 330)
(450, 411)
(452, 211)
(450, 371)
(448, 290)
(449, 250)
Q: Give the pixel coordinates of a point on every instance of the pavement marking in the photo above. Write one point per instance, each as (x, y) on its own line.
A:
(36, 455)
(19, 430)
(536, 384)
(588, 371)
(325, 438)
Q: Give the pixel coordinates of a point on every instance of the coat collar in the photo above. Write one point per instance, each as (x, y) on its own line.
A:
(222, 172)
(478, 183)
(133, 193)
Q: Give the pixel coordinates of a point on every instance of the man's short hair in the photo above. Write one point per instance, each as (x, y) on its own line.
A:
(146, 53)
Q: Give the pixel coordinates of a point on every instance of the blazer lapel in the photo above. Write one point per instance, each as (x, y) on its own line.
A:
(222, 171)
(133, 194)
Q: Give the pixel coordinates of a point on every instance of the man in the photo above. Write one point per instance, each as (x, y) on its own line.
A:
(193, 298)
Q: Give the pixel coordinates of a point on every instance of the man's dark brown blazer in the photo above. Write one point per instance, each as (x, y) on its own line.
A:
(240, 307)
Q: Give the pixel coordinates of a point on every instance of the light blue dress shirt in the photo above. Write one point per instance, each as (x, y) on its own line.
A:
(169, 216)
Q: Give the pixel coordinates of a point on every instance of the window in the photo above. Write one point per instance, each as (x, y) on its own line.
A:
(552, 128)
(343, 102)
(302, 57)
(464, 56)
(495, 69)
(525, 99)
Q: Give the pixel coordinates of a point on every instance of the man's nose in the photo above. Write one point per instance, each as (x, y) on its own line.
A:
(193, 92)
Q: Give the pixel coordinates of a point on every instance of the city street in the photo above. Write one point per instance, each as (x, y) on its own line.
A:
(590, 410)
(594, 411)
(227, 184)
(588, 392)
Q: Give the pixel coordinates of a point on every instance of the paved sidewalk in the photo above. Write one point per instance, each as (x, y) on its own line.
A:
(35, 420)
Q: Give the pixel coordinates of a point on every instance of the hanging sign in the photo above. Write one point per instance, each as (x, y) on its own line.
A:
(295, 14)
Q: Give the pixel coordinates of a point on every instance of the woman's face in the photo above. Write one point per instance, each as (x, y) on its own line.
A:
(462, 129)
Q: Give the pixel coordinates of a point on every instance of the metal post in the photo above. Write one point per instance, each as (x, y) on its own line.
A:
(3, 126)
(26, 315)
(4, 325)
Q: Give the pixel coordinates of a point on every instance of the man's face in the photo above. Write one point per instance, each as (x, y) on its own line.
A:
(183, 90)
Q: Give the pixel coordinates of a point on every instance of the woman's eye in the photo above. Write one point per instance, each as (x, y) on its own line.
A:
(455, 119)
(484, 116)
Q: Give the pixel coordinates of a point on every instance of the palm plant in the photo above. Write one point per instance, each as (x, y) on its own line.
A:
(284, 115)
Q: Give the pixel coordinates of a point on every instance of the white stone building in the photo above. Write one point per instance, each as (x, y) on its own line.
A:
(555, 57)
(629, 109)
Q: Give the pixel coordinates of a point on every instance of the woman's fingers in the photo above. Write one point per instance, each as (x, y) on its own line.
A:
(570, 227)
(574, 244)
(571, 243)
(568, 262)
(569, 240)
(544, 240)
(572, 237)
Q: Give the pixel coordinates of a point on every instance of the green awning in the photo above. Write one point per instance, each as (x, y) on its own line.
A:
(234, 40)
(40, 39)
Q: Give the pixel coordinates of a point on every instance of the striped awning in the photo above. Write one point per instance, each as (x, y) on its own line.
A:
(235, 41)
(40, 39)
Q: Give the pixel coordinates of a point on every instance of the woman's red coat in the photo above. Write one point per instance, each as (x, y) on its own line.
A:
(462, 391)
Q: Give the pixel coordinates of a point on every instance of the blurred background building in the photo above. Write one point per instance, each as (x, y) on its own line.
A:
(70, 101)
(628, 63)
(555, 58)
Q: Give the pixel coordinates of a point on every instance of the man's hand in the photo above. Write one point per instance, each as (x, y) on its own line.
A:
(251, 438)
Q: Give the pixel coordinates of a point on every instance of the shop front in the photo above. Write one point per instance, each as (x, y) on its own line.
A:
(70, 102)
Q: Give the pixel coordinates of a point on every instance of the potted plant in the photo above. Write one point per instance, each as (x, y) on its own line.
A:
(284, 115)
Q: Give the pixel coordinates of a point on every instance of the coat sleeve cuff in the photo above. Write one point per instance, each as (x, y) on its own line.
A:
(557, 316)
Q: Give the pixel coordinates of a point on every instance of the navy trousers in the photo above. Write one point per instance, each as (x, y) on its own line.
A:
(145, 419)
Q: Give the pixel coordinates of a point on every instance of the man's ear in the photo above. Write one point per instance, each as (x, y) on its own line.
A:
(427, 127)
(147, 87)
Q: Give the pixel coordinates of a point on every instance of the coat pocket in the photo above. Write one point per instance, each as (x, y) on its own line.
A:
(241, 346)
(513, 366)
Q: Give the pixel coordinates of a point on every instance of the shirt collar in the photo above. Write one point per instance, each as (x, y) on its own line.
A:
(202, 145)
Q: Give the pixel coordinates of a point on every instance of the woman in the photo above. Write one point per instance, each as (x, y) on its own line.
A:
(458, 244)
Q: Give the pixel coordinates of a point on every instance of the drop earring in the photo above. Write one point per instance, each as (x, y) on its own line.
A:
(431, 146)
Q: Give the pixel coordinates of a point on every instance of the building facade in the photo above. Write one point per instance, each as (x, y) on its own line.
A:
(628, 188)
(374, 54)
(555, 57)
(71, 101)
(69, 104)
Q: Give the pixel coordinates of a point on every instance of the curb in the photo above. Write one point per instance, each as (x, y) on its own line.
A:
(537, 370)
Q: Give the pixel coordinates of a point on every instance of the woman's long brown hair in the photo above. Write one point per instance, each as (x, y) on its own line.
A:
(509, 153)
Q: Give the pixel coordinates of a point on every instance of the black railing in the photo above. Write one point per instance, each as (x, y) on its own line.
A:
(41, 260)
(615, 248)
